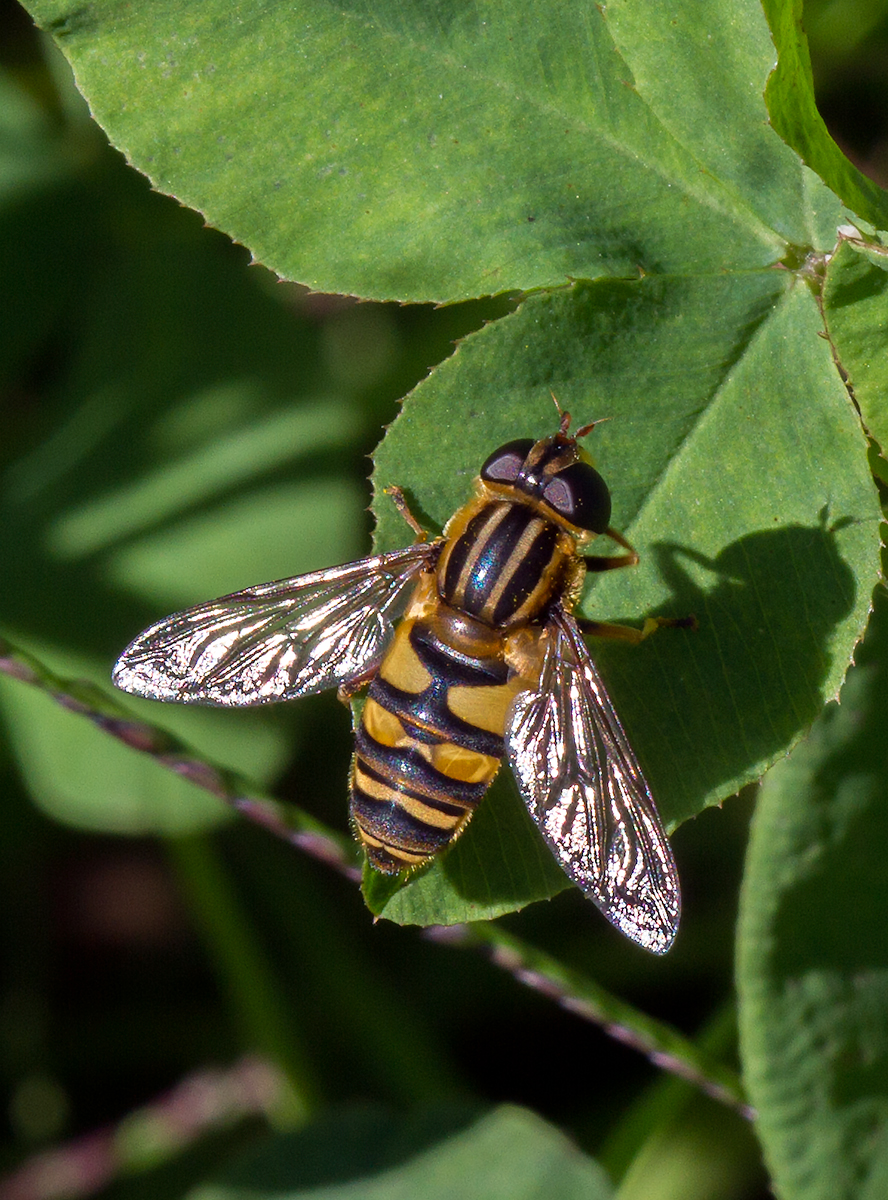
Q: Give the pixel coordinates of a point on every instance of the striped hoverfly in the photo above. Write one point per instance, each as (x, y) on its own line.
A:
(472, 652)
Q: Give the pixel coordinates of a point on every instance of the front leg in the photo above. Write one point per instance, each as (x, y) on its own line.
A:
(404, 509)
(612, 562)
(627, 633)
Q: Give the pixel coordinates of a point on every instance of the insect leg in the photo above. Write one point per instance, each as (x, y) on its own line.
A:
(403, 508)
(627, 633)
(350, 688)
(612, 562)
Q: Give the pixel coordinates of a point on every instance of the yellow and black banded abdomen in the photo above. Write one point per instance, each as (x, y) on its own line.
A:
(430, 740)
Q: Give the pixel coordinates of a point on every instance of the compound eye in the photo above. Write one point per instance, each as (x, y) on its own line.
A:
(580, 495)
(504, 465)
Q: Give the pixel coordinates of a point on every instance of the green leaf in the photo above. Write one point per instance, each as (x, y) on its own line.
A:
(738, 469)
(855, 308)
(702, 71)
(812, 954)
(794, 115)
(182, 399)
(81, 777)
(440, 152)
(506, 1154)
(409, 151)
(39, 207)
(31, 157)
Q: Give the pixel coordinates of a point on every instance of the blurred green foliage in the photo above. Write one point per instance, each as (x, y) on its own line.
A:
(849, 56)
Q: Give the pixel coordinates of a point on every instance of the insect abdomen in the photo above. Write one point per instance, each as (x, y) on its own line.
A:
(502, 562)
(430, 739)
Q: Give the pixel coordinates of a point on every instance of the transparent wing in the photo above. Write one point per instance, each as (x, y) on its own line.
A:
(580, 779)
(276, 641)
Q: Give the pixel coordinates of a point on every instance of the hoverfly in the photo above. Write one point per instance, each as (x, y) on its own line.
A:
(471, 651)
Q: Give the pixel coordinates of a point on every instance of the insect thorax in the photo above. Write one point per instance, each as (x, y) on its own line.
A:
(503, 562)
